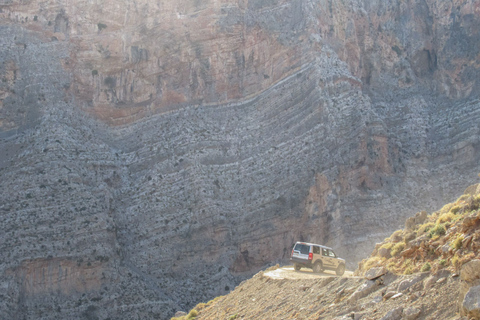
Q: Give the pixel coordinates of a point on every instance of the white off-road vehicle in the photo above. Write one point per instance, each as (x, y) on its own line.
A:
(316, 257)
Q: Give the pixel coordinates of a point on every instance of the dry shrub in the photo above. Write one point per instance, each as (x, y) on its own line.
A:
(424, 228)
(387, 245)
(408, 267)
(426, 267)
(392, 265)
(462, 198)
(437, 230)
(373, 262)
(457, 243)
(397, 248)
(395, 237)
(192, 314)
(200, 306)
(446, 208)
(456, 209)
(446, 217)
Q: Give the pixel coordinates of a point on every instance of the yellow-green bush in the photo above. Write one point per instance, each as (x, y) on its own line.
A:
(387, 245)
(425, 228)
(200, 306)
(446, 208)
(456, 209)
(408, 266)
(397, 248)
(437, 230)
(455, 261)
(373, 262)
(457, 243)
(426, 267)
(446, 217)
(192, 314)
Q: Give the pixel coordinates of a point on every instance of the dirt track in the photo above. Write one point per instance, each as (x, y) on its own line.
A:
(289, 273)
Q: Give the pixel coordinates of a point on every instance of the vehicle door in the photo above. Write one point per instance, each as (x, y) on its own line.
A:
(316, 253)
(327, 260)
(333, 258)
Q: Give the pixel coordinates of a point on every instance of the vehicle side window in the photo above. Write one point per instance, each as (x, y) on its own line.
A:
(325, 252)
(316, 250)
(331, 254)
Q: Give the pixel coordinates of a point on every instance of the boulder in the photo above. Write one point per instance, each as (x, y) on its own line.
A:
(470, 271)
(420, 217)
(471, 303)
(469, 222)
(374, 273)
(364, 290)
(410, 223)
(472, 190)
(405, 284)
(179, 314)
(411, 313)
(395, 314)
(384, 253)
(429, 282)
(445, 248)
(467, 241)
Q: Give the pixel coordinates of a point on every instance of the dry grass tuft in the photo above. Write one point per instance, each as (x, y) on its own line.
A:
(421, 247)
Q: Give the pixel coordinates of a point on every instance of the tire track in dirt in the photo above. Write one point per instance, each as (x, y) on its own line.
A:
(289, 273)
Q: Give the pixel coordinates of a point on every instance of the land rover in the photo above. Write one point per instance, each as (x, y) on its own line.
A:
(316, 257)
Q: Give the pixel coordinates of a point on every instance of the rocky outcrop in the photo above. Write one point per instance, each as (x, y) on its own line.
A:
(165, 150)
(470, 289)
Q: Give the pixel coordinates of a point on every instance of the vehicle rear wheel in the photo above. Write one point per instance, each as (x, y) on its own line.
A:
(318, 267)
(297, 267)
(340, 270)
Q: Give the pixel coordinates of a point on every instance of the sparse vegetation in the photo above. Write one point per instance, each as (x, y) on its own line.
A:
(195, 311)
(447, 238)
(192, 314)
(426, 267)
(447, 217)
(425, 227)
(457, 243)
(455, 209)
(387, 245)
(397, 248)
(438, 230)
(374, 262)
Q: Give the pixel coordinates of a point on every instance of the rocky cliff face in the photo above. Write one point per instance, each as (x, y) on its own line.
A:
(153, 154)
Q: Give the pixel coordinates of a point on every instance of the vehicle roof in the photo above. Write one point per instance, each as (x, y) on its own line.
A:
(313, 244)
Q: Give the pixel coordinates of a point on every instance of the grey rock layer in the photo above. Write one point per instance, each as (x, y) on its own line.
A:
(154, 155)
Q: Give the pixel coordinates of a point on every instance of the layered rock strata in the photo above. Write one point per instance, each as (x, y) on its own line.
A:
(154, 154)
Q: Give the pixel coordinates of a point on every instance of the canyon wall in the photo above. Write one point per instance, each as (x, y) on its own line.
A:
(153, 155)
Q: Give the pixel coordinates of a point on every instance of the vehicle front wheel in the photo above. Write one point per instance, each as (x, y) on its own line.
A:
(317, 267)
(297, 267)
(340, 270)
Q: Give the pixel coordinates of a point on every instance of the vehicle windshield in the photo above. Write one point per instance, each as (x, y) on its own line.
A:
(304, 249)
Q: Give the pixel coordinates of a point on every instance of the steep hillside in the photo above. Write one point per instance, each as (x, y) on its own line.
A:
(154, 154)
(435, 275)
(443, 240)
